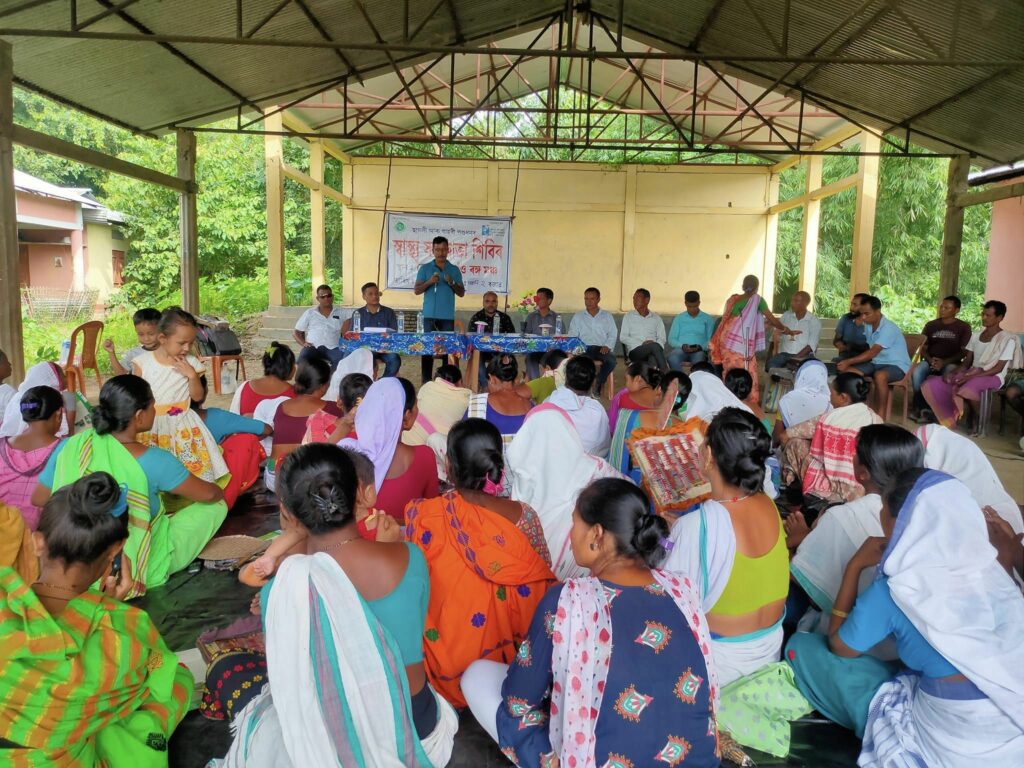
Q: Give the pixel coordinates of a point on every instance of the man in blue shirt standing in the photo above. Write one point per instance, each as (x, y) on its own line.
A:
(886, 358)
(439, 282)
(690, 334)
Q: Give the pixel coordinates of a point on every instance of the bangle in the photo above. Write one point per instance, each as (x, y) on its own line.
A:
(839, 614)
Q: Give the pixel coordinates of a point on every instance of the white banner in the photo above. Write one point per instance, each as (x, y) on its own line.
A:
(480, 246)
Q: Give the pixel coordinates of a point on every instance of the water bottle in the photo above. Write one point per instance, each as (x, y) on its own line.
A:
(65, 352)
(558, 325)
(419, 322)
(401, 321)
(496, 324)
(227, 379)
(357, 322)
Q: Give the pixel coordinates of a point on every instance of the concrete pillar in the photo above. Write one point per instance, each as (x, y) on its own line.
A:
(348, 236)
(317, 236)
(187, 221)
(953, 228)
(274, 156)
(809, 238)
(771, 242)
(11, 336)
(864, 214)
(626, 286)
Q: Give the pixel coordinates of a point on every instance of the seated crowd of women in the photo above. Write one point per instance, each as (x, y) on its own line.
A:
(432, 560)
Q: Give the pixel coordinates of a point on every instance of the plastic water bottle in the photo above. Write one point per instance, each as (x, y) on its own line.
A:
(65, 351)
(357, 322)
(227, 379)
(558, 325)
(419, 322)
(401, 321)
(496, 324)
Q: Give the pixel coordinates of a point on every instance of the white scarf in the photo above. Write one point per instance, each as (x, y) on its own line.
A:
(320, 633)
(955, 455)
(549, 468)
(39, 375)
(809, 397)
(943, 574)
(709, 395)
(357, 361)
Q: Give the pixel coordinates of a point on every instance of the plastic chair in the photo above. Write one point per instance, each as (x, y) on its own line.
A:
(214, 365)
(74, 371)
(914, 343)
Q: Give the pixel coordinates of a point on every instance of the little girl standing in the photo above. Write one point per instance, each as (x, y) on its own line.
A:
(173, 374)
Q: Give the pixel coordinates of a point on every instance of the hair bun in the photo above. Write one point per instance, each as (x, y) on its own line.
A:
(94, 496)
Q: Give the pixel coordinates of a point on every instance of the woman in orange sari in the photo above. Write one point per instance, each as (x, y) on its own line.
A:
(740, 334)
(488, 561)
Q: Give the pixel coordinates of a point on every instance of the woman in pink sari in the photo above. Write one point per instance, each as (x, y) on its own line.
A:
(740, 335)
(22, 458)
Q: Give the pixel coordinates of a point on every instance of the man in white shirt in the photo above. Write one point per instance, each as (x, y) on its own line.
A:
(586, 413)
(643, 333)
(319, 329)
(805, 327)
(596, 328)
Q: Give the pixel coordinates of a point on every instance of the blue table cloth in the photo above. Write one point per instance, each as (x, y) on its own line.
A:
(406, 343)
(521, 343)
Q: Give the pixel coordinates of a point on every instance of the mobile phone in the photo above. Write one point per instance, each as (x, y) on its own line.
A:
(115, 567)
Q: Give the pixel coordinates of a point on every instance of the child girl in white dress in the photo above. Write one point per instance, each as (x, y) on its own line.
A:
(173, 374)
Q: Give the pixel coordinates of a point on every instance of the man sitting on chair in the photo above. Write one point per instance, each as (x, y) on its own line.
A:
(596, 328)
(886, 358)
(373, 314)
(794, 349)
(486, 316)
(690, 333)
(643, 333)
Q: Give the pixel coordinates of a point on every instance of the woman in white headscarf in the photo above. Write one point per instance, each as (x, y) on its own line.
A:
(39, 375)
(549, 469)
(956, 455)
(809, 397)
(709, 395)
(957, 618)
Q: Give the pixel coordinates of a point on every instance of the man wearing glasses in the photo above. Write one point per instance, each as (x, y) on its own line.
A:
(319, 329)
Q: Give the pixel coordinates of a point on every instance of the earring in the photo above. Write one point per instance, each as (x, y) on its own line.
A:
(593, 546)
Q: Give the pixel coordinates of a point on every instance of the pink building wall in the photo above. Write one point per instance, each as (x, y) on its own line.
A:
(41, 265)
(47, 208)
(1005, 278)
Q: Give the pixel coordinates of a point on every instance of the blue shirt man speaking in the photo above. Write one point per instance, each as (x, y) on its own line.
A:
(439, 282)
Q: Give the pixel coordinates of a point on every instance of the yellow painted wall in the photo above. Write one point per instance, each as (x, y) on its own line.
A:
(666, 228)
(99, 265)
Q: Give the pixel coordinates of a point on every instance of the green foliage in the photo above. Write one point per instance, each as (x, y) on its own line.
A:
(907, 241)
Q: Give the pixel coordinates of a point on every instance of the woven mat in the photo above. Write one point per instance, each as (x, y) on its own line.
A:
(233, 548)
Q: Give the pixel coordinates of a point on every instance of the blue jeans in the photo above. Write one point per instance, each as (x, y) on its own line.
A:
(677, 357)
(392, 362)
(431, 324)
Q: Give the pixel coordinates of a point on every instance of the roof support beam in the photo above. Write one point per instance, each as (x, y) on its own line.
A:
(103, 14)
(706, 25)
(148, 33)
(574, 53)
(967, 199)
(809, 235)
(12, 340)
(54, 146)
(815, 193)
(825, 142)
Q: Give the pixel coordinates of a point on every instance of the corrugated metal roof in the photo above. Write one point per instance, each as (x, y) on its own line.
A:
(151, 87)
